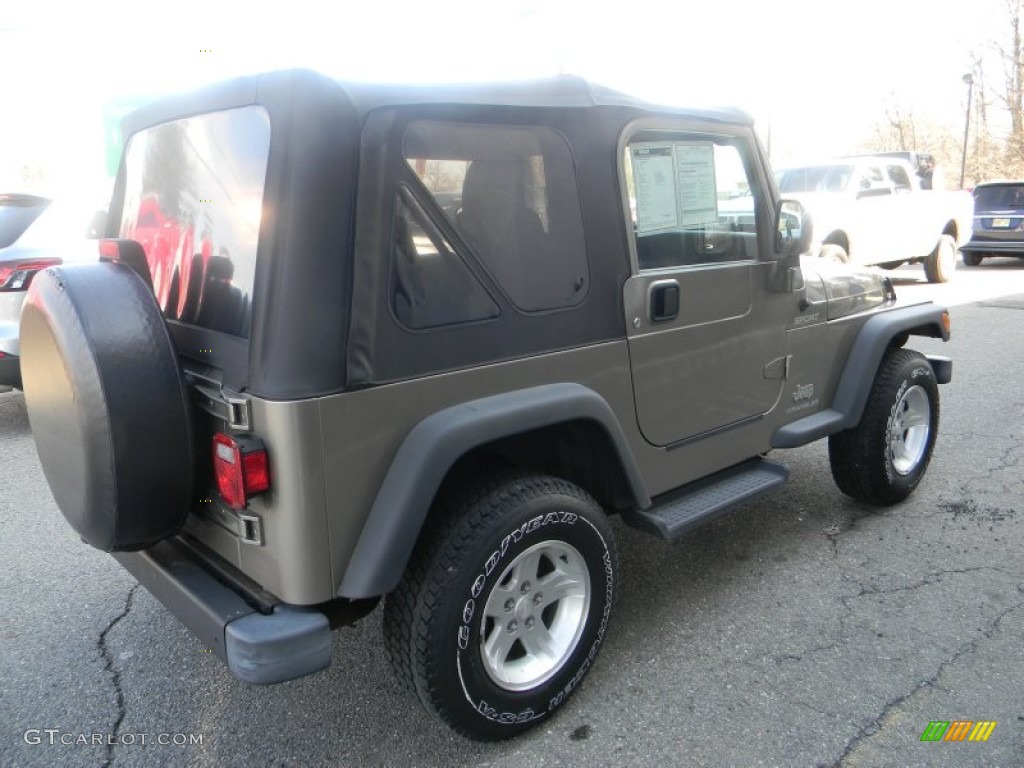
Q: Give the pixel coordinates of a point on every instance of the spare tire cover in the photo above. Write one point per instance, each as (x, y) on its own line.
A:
(107, 404)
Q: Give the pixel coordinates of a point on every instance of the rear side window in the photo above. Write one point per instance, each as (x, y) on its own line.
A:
(433, 287)
(510, 193)
(193, 200)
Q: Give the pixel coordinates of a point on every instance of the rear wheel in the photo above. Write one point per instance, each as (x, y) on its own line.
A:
(504, 604)
(882, 459)
(971, 259)
(940, 264)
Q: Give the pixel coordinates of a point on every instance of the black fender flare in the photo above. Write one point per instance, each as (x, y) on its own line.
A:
(434, 445)
(866, 354)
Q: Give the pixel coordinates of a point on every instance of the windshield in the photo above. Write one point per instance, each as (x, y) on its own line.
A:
(1001, 197)
(16, 213)
(816, 178)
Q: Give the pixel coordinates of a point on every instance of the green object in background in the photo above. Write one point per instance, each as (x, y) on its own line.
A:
(113, 114)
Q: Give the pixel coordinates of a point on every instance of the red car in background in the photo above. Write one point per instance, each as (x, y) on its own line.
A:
(177, 267)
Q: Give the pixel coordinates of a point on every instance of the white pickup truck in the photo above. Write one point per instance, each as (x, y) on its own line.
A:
(872, 210)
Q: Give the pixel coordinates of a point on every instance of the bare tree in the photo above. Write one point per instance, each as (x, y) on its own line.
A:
(1011, 52)
(996, 134)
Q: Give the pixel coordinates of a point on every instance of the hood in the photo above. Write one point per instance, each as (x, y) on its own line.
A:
(847, 291)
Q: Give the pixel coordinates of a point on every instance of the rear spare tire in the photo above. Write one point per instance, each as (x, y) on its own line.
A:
(107, 404)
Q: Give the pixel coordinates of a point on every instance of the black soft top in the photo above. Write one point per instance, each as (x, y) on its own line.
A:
(311, 333)
(568, 91)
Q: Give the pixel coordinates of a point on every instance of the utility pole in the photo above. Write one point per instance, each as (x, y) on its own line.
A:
(969, 79)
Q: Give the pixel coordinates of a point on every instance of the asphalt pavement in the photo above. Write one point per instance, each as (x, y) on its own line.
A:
(802, 630)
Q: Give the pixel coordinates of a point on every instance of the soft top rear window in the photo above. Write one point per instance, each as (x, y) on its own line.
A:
(193, 199)
(17, 212)
(1001, 197)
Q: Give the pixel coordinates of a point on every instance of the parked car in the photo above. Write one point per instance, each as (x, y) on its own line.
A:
(471, 340)
(872, 211)
(35, 233)
(998, 222)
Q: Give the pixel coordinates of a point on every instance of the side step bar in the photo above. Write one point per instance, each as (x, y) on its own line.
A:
(708, 498)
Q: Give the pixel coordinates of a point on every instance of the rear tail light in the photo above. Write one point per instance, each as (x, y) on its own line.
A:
(109, 250)
(18, 276)
(241, 468)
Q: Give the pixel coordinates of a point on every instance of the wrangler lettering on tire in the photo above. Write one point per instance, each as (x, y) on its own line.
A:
(505, 603)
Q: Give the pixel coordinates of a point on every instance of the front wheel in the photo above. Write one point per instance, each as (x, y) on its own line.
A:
(834, 254)
(504, 604)
(940, 264)
(882, 459)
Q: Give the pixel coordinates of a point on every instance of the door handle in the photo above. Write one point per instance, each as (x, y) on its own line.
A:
(663, 302)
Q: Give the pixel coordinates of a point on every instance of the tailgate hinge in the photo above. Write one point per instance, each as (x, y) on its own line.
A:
(230, 407)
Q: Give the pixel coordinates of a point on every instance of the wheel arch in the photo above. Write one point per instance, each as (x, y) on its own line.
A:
(540, 427)
(837, 237)
(881, 332)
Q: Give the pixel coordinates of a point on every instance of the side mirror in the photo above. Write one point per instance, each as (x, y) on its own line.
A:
(793, 228)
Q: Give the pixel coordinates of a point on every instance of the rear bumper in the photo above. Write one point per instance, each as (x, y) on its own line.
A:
(995, 247)
(259, 647)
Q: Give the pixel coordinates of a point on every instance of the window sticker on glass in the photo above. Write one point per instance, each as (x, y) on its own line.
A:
(654, 177)
(675, 185)
(695, 182)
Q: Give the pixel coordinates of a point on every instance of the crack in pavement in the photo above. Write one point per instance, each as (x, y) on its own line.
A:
(934, 577)
(845, 601)
(115, 675)
(875, 725)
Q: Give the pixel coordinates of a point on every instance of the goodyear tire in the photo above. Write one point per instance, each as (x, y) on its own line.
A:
(882, 459)
(504, 605)
(107, 405)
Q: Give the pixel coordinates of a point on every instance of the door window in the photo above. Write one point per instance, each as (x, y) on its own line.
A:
(690, 200)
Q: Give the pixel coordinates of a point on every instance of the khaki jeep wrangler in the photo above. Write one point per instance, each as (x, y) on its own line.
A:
(352, 342)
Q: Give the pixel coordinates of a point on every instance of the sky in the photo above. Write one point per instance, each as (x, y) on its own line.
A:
(816, 74)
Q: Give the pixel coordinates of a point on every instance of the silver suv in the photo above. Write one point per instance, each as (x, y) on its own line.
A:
(363, 342)
(35, 233)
